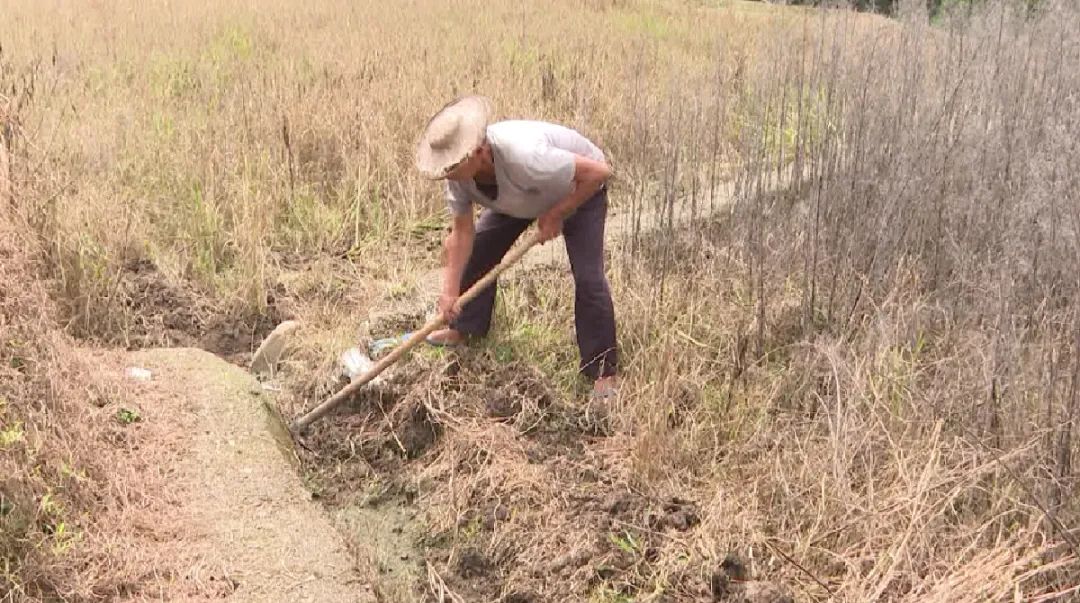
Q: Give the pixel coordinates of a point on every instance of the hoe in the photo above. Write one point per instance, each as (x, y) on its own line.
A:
(300, 425)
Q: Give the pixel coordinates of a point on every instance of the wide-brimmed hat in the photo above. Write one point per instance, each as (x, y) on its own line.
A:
(452, 134)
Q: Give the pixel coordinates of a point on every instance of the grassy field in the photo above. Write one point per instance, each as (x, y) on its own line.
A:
(858, 371)
(218, 140)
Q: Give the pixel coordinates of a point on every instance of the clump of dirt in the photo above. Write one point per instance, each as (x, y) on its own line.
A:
(236, 335)
(414, 431)
(731, 583)
(391, 323)
(472, 563)
(675, 513)
(157, 312)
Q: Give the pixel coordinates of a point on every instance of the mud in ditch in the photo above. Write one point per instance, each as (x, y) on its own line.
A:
(383, 536)
(474, 476)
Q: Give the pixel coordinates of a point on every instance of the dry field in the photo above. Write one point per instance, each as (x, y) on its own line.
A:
(856, 369)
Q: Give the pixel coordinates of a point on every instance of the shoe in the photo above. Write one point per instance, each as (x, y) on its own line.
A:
(445, 338)
(604, 388)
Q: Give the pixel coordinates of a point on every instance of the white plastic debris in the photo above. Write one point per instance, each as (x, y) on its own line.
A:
(356, 363)
(139, 373)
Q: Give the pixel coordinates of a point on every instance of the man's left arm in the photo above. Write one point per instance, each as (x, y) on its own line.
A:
(589, 176)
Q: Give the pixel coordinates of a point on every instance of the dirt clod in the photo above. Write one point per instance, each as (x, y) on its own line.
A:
(678, 514)
(521, 597)
(766, 592)
(754, 592)
(733, 567)
(731, 583)
(416, 433)
(596, 418)
(498, 514)
(472, 564)
(621, 504)
(571, 560)
(502, 407)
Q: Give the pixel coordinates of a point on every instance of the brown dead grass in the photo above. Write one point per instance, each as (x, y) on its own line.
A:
(81, 488)
(526, 500)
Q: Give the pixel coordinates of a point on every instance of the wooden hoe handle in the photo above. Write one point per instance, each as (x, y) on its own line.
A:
(301, 424)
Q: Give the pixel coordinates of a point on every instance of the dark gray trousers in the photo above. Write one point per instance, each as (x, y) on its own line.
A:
(594, 313)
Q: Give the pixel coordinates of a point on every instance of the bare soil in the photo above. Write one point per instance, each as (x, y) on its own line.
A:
(159, 313)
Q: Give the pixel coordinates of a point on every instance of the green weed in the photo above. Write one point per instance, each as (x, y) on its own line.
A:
(309, 224)
(642, 23)
(173, 77)
(128, 416)
(519, 55)
(605, 593)
(199, 229)
(11, 435)
(625, 542)
(234, 43)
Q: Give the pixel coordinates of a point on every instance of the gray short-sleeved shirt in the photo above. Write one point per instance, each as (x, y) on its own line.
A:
(534, 169)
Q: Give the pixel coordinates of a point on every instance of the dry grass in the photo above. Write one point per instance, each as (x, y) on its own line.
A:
(880, 360)
(863, 380)
(80, 485)
(222, 142)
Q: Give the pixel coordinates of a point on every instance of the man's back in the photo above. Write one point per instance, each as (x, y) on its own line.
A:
(517, 132)
(534, 168)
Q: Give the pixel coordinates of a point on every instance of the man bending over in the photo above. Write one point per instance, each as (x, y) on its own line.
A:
(521, 171)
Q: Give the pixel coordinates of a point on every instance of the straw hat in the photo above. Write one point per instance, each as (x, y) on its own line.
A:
(452, 135)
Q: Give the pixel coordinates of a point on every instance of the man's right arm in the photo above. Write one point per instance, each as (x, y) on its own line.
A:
(458, 247)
